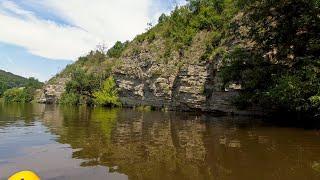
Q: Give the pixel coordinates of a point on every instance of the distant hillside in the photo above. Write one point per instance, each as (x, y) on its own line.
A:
(9, 80)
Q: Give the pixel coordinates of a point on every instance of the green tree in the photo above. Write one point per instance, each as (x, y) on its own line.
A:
(69, 99)
(3, 88)
(80, 88)
(277, 61)
(21, 95)
(162, 18)
(117, 49)
(82, 83)
(9, 80)
(108, 95)
(33, 83)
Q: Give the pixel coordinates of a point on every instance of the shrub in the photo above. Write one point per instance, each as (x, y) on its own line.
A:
(18, 95)
(82, 83)
(69, 99)
(288, 93)
(108, 95)
(117, 49)
(315, 101)
(207, 19)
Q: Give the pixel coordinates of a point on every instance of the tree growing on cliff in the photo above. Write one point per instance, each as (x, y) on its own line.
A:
(82, 83)
(108, 95)
(117, 49)
(80, 88)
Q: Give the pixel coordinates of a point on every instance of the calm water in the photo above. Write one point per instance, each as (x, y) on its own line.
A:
(83, 143)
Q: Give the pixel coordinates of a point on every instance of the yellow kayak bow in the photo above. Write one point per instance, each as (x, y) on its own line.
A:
(24, 175)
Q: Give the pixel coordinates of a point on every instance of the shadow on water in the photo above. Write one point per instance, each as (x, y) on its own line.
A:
(293, 120)
(176, 145)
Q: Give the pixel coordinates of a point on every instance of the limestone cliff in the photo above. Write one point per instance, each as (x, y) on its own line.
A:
(175, 65)
(144, 77)
(52, 91)
(182, 82)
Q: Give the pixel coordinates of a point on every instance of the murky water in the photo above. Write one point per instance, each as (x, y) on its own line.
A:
(83, 143)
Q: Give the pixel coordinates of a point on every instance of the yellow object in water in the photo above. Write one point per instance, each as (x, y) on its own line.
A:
(24, 175)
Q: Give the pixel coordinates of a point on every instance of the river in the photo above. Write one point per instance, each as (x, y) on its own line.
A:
(84, 143)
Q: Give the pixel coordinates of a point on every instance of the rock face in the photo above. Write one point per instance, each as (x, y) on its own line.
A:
(181, 80)
(52, 91)
(187, 82)
(193, 87)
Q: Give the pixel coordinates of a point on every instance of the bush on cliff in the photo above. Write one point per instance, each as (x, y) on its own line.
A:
(117, 49)
(69, 99)
(89, 89)
(107, 95)
(80, 88)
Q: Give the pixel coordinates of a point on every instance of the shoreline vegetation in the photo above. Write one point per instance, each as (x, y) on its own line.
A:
(270, 50)
(15, 88)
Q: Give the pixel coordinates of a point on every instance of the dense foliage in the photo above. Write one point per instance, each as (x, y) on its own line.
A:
(277, 61)
(89, 77)
(117, 49)
(69, 98)
(9, 80)
(22, 94)
(80, 88)
(179, 29)
(3, 87)
(107, 95)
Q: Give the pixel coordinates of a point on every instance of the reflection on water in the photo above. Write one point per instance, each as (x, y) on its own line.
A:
(78, 143)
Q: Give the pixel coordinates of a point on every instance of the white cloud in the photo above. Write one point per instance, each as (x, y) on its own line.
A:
(92, 22)
(109, 20)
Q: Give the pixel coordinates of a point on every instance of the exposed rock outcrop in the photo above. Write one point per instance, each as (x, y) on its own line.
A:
(194, 87)
(52, 91)
(182, 80)
(187, 82)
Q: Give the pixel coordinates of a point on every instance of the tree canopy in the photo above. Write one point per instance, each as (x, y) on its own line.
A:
(277, 62)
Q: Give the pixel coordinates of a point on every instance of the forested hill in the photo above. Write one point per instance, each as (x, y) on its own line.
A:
(9, 80)
(199, 55)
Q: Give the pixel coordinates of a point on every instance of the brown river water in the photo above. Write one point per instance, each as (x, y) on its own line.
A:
(83, 143)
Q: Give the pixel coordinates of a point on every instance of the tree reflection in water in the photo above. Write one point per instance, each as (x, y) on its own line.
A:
(158, 145)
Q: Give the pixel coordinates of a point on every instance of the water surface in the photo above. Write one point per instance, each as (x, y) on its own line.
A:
(83, 143)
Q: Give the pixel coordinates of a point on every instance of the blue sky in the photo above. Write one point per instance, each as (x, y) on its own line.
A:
(38, 38)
